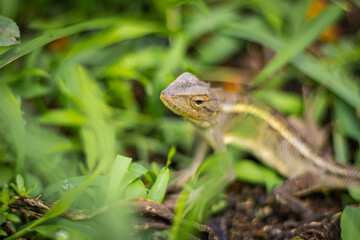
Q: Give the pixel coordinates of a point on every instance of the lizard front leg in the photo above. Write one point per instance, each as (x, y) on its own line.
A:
(288, 193)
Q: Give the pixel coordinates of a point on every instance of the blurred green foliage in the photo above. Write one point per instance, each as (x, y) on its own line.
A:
(84, 85)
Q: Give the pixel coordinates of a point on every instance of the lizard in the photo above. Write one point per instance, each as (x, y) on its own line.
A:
(231, 118)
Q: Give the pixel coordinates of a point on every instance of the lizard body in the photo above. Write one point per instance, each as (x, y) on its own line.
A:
(233, 119)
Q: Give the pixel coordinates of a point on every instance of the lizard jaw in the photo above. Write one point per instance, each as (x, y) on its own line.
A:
(170, 104)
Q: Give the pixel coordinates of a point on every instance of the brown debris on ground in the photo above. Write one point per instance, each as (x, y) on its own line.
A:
(251, 214)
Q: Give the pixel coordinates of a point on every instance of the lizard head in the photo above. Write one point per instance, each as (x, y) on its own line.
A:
(192, 99)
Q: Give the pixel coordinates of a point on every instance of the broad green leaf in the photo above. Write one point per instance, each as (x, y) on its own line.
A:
(286, 103)
(61, 232)
(62, 117)
(2, 232)
(11, 124)
(59, 207)
(299, 41)
(134, 172)
(349, 224)
(12, 218)
(116, 183)
(249, 171)
(91, 228)
(158, 189)
(354, 192)
(62, 185)
(9, 32)
(67, 199)
(135, 189)
(211, 53)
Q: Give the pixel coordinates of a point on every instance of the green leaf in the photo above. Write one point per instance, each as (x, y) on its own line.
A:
(200, 193)
(338, 83)
(4, 197)
(116, 183)
(20, 182)
(63, 117)
(60, 232)
(52, 35)
(121, 30)
(11, 122)
(83, 94)
(60, 206)
(349, 224)
(3, 233)
(299, 41)
(346, 120)
(249, 171)
(6, 174)
(158, 189)
(2, 218)
(12, 218)
(341, 148)
(354, 192)
(211, 53)
(297, 14)
(286, 103)
(66, 200)
(9, 32)
(171, 154)
(134, 172)
(136, 189)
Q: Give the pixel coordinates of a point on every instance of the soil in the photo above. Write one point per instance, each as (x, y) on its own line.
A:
(252, 214)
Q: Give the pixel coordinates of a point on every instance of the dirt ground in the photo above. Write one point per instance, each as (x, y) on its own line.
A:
(251, 214)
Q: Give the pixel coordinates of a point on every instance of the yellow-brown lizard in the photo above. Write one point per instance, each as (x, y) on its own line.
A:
(233, 119)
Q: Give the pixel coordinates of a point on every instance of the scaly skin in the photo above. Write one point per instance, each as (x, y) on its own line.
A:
(231, 119)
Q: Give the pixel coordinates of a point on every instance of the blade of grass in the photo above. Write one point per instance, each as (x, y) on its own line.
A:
(126, 29)
(297, 14)
(299, 41)
(339, 84)
(116, 183)
(84, 95)
(52, 35)
(11, 119)
(62, 117)
(157, 191)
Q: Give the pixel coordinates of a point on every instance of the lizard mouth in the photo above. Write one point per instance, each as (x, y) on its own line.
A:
(169, 104)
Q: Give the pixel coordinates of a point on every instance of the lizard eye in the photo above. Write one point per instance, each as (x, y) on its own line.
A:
(198, 101)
